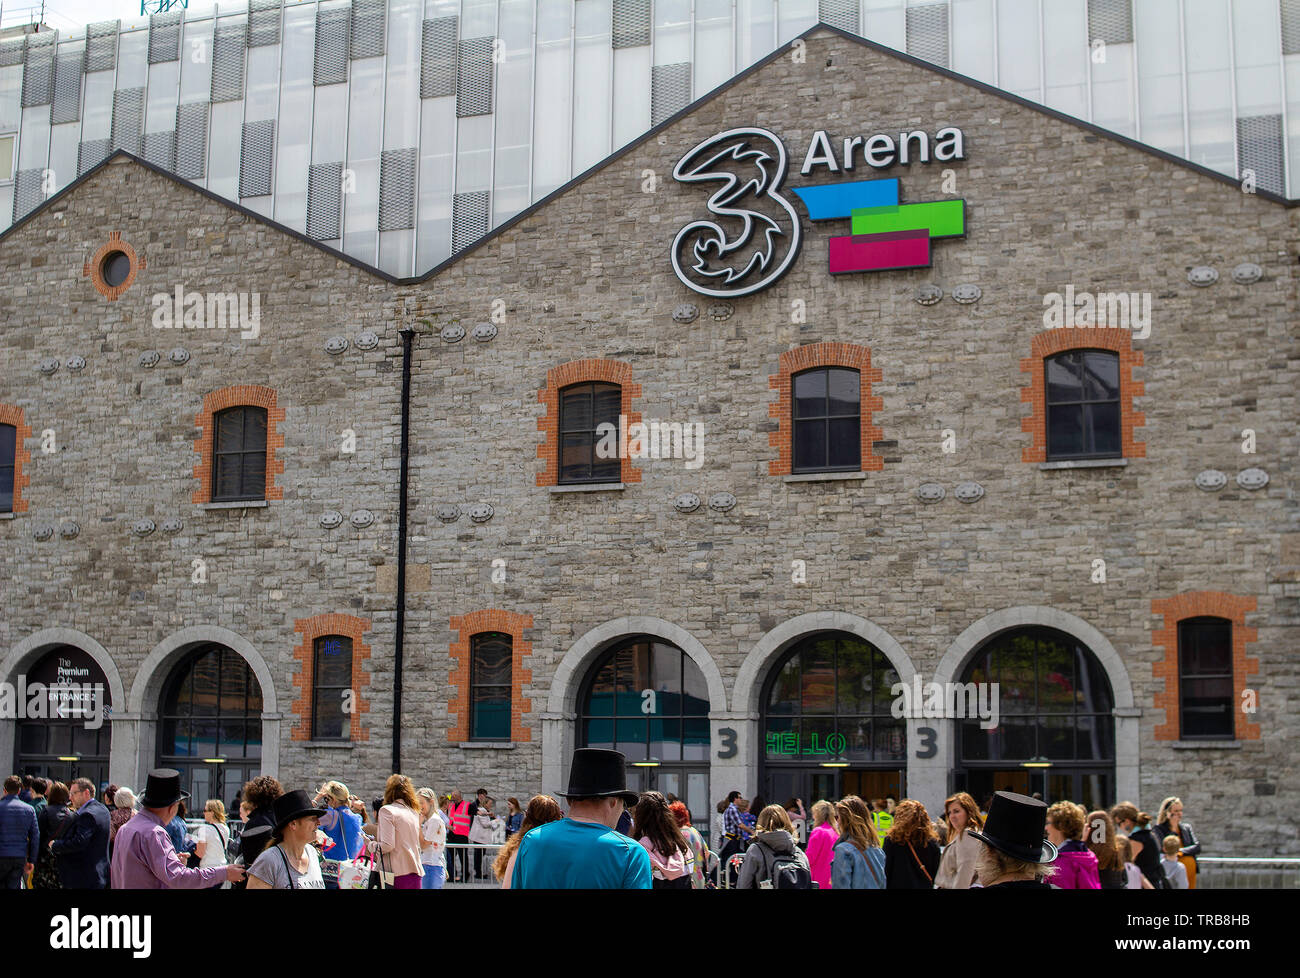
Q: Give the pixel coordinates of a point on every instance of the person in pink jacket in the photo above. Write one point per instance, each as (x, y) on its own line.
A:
(1076, 866)
(821, 843)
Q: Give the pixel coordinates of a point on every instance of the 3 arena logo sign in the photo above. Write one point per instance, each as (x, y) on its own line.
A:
(755, 234)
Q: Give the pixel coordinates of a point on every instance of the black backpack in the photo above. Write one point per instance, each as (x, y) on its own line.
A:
(789, 874)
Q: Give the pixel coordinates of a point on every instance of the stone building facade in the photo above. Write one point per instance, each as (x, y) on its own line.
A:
(1112, 555)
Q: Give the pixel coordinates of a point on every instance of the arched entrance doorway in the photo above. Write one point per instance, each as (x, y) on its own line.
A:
(827, 728)
(62, 743)
(210, 723)
(647, 698)
(1056, 731)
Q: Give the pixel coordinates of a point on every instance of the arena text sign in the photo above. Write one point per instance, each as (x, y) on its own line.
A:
(762, 234)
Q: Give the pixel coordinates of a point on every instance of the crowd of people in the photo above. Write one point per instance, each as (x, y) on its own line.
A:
(604, 836)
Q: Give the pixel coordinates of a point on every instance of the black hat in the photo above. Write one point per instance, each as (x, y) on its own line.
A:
(597, 773)
(294, 804)
(162, 788)
(1015, 826)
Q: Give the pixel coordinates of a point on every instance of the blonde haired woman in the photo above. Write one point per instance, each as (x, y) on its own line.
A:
(1169, 821)
(859, 862)
(433, 833)
(957, 864)
(773, 839)
(398, 833)
(212, 837)
(821, 843)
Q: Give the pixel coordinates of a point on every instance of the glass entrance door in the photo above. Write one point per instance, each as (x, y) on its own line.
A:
(690, 784)
(815, 784)
(1093, 788)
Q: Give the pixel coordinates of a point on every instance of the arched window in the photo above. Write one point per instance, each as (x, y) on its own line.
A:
(491, 661)
(826, 407)
(239, 454)
(1083, 405)
(8, 457)
(1056, 729)
(71, 738)
(331, 679)
(1205, 680)
(583, 409)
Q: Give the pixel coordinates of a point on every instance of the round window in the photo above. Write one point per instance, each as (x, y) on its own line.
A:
(114, 269)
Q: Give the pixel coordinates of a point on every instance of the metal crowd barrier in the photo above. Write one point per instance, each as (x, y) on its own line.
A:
(464, 857)
(1242, 873)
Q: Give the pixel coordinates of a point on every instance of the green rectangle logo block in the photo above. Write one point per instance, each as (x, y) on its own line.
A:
(942, 218)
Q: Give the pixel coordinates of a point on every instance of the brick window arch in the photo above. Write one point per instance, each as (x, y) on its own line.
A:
(113, 267)
(805, 358)
(566, 375)
(13, 476)
(214, 403)
(490, 623)
(1182, 608)
(315, 630)
(1051, 343)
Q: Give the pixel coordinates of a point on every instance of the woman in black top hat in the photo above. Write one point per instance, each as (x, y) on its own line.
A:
(290, 862)
(1015, 854)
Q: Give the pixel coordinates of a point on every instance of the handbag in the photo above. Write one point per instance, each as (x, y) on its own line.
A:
(354, 874)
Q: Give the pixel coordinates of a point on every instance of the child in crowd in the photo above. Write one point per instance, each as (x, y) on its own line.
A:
(748, 818)
(1133, 875)
(1175, 871)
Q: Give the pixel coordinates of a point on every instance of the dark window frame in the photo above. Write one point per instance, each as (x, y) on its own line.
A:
(1085, 404)
(245, 493)
(10, 467)
(172, 711)
(591, 388)
(797, 421)
(1185, 625)
(318, 689)
(475, 683)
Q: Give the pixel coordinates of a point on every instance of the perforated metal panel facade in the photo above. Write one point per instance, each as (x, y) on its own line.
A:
(632, 23)
(369, 20)
(263, 22)
(27, 192)
(1112, 21)
(228, 45)
(128, 119)
(91, 153)
(397, 189)
(192, 140)
(66, 105)
(474, 77)
(324, 201)
(469, 219)
(160, 149)
(332, 30)
(927, 33)
(11, 52)
(839, 13)
(38, 73)
(101, 45)
(438, 57)
(670, 91)
(1260, 148)
(1291, 26)
(164, 37)
(255, 158)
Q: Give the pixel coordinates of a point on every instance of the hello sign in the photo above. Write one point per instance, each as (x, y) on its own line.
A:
(762, 234)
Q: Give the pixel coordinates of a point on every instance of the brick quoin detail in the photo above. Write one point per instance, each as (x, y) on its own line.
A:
(349, 626)
(1054, 341)
(241, 395)
(466, 627)
(582, 372)
(1197, 604)
(822, 355)
(93, 269)
(9, 414)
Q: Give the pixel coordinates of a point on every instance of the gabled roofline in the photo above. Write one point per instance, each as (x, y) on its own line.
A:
(636, 144)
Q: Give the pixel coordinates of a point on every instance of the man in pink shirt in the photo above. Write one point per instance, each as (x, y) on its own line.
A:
(143, 855)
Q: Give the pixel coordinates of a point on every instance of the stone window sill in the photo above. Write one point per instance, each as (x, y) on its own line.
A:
(6, 516)
(824, 477)
(591, 487)
(329, 744)
(237, 504)
(485, 745)
(1085, 463)
(1206, 745)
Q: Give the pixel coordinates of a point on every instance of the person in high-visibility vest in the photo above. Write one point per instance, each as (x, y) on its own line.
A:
(458, 834)
(881, 820)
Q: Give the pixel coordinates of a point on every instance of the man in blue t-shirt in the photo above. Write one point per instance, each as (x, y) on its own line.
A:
(583, 850)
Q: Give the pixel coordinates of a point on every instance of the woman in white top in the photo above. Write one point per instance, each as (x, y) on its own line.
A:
(482, 832)
(290, 861)
(433, 833)
(212, 837)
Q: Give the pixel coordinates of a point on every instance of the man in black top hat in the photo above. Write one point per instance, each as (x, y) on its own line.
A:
(583, 850)
(143, 855)
(1015, 854)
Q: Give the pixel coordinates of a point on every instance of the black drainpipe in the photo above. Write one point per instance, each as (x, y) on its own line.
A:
(408, 336)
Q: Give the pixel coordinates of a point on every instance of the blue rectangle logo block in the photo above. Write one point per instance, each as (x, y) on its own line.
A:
(837, 201)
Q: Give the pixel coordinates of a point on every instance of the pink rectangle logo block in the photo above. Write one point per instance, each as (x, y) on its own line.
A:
(880, 252)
